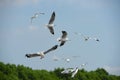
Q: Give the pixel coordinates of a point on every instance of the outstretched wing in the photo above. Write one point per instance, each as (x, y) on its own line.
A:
(64, 34)
(52, 18)
(51, 49)
(62, 43)
(51, 30)
(32, 55)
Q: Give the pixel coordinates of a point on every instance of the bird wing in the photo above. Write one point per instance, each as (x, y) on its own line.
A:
(62, 43)
(32, 55)
(64, 34)
(51, 49)
(74, 73)
(51, 30)
(52, 18)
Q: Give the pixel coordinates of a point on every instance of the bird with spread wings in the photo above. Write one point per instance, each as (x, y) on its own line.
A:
(41, 54)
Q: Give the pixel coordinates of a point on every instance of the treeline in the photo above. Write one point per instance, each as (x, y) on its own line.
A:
(20, 72)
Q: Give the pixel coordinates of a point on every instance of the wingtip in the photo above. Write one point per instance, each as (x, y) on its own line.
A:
(27, 55)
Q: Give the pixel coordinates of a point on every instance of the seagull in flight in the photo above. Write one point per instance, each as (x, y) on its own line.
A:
(41, 54)
(63, 38)
(35, 16)
(74, 72)
(50, 24)
(86, 38)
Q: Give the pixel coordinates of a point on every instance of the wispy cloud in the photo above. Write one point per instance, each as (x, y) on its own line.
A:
(112, 70)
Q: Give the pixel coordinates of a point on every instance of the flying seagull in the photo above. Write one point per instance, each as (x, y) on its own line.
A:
(86, 38)
(74, 72)
(63, 38)
(67, 71)
(35, 16)
(50, 24)
(41, 54)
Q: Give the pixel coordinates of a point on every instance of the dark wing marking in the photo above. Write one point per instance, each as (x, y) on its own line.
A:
(51, 30)
(51, 49)
(64, 34)
(52, 18)
(32, 55)
(62, 43)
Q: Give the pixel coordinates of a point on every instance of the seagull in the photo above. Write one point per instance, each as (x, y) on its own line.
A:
(82, 65)
(86, 38)
(74, 72)
(41, 54)
(50, 24)
(96, 39)
(70, 71)
(63, 38)
(35, 16)
(67, 71)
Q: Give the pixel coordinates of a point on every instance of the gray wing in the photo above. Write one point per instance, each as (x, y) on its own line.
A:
(32, 55)
(62, 43)
(51, 49)
(51, 30)
(52, 18)
(64, 34)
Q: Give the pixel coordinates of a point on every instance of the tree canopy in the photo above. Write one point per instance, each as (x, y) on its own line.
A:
(20, 72)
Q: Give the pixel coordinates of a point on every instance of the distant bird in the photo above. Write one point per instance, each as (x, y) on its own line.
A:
(86, 38)
(70, 71)
(82, 65)
(41, 54)
(63, 38)
(74, 72)
(50, 25)
(67, 71)
(35, 16)
(96, 39)
(69, 59)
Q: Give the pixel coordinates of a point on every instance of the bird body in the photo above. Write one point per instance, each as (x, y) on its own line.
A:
(63, 38)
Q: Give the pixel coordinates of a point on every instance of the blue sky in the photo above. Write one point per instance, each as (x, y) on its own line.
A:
(96, 18)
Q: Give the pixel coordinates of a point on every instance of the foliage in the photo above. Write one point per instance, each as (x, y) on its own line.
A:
(20, 72)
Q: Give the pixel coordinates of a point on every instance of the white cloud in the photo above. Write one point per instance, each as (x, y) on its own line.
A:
(112, 70)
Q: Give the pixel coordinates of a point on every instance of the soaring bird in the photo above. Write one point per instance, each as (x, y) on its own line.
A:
(50, 24)
(74, 72)
(35, 16)
(63, 38)
(41, 54)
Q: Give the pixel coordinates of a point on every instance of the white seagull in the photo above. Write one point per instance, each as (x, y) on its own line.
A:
(41, 54)
(50, 24)
(67, 71)
(35, 16)
(63, 38)
(70, 71)
(74, 72)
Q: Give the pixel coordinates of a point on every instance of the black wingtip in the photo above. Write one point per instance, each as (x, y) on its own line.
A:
(53, 13)
(63, 31)
(55, 47)
(27, 55)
